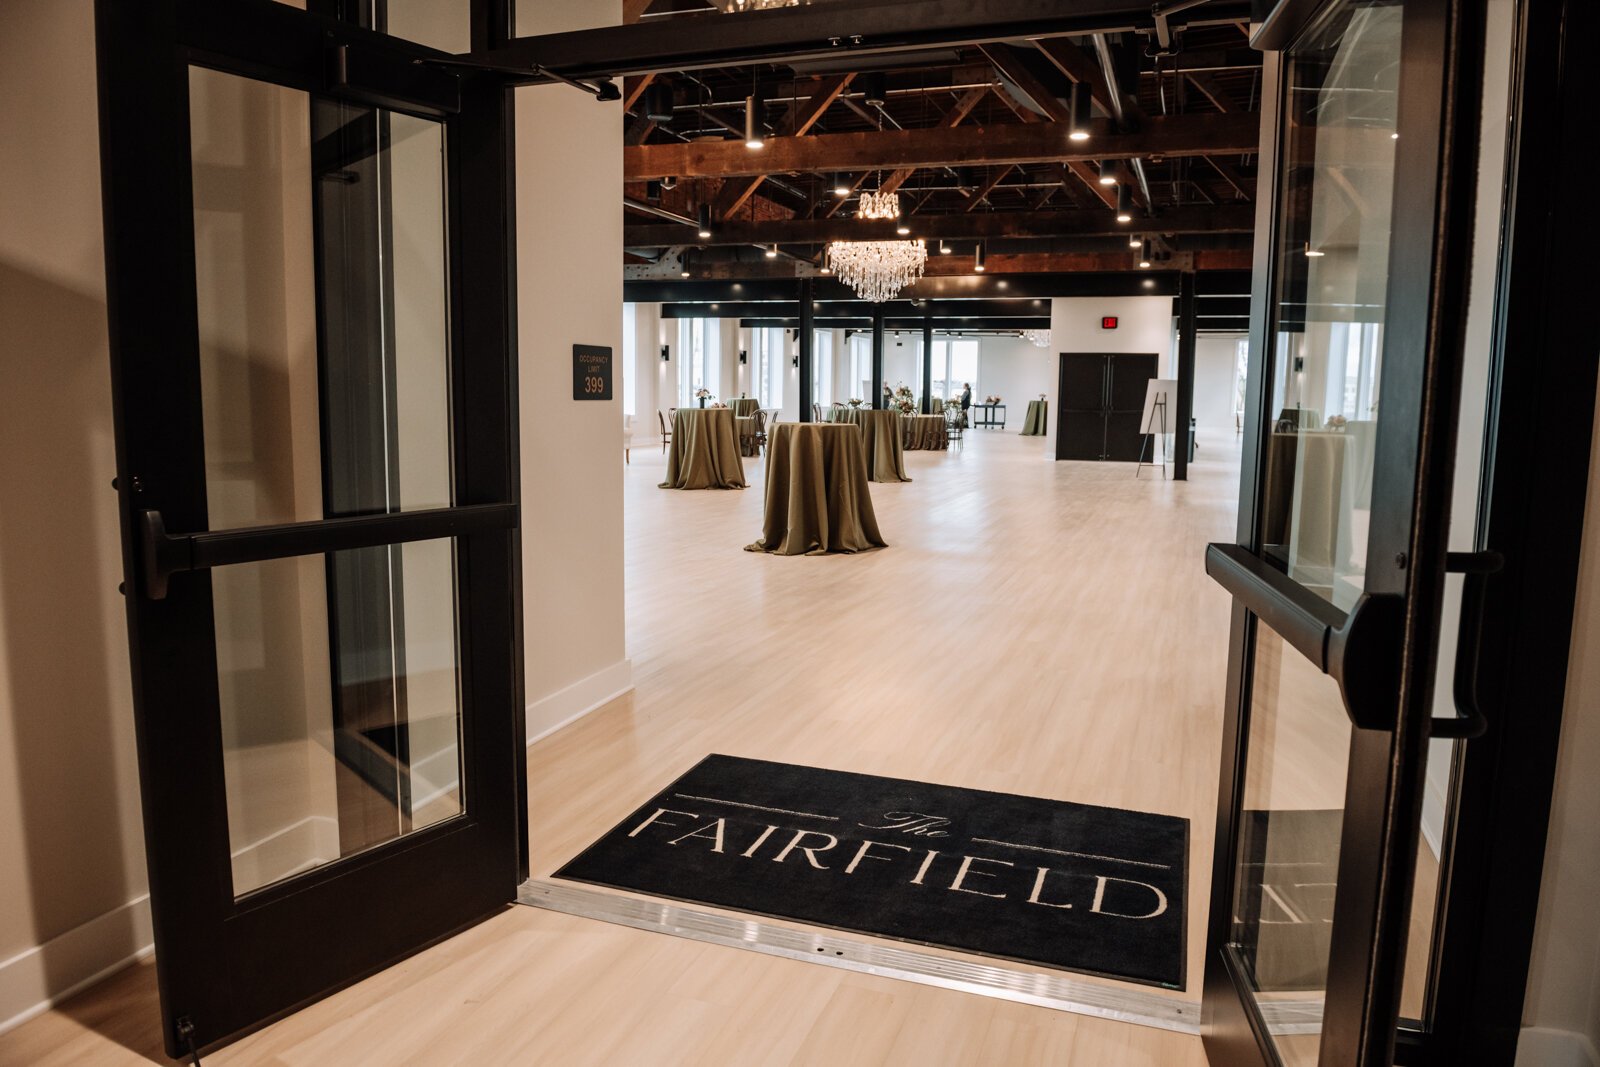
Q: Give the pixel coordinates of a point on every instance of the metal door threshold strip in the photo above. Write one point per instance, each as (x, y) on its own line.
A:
(906, 964)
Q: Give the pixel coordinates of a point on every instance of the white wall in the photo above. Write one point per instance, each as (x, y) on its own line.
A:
(1215, 369)
(569, 286)
(1144, 325)
(1016, 370)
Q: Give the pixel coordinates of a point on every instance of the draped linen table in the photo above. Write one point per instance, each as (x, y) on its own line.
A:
(925, 433)
(705, 451)
(817, 498)
(1033, 425)
(744, 405)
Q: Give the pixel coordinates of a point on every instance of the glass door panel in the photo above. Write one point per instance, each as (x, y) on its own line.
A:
(1291, 818)
(1329, 293)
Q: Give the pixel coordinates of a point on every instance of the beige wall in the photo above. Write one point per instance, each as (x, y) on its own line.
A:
(71, 851)
(570, 292)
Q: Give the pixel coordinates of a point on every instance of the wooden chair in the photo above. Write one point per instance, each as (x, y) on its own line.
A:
(666, 428)
(760, 434)
(816, 412)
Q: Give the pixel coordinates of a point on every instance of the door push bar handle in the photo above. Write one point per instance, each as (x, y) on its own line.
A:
(162, 555)
(1361, 650)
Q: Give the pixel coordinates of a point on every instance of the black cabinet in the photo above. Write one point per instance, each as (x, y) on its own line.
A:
(1101, 399)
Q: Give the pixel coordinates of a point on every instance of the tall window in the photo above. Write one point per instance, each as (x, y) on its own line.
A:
(859, 387)
(697, 361)
(769, 364)
(955, 363)
(822, 367)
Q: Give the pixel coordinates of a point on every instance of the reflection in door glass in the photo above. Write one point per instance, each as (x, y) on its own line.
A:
(327, 753)
(1332, 274)
(286, 185)
(1290, 820)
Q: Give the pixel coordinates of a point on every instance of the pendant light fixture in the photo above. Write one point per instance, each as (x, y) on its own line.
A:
(772, 251)
(944, 247)
(683, 264)
(1107, 175)
(1144, 255)
(705, 221)
(841, 188)
(977, 259)
(753, 138)
(1078, 129)
(1124, 204)
(1134, 240)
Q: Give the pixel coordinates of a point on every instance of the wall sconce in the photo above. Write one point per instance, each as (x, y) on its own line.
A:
(744, 357)
(794, 361)
(666, 353)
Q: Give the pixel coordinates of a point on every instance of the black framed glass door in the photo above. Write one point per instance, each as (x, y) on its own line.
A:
(313, 382)
(1339, 563)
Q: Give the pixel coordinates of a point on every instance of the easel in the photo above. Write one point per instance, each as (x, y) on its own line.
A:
(1158, 409)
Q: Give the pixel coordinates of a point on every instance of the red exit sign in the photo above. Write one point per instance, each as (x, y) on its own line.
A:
(1108, 322)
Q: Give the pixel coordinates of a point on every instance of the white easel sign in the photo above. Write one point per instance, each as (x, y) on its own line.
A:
(1158, 417)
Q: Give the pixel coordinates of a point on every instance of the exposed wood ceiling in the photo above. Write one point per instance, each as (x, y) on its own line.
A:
(974, 139)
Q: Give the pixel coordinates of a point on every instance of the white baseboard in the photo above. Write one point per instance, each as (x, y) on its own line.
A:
(1538, 1046)
(566, 706)
(36, 979)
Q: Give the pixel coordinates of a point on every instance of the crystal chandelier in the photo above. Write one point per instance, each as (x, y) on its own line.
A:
(878, 270)
(1040, 338)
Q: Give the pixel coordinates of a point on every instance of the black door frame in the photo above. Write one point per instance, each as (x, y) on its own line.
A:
(1387, 642)
(1531, 512)
(226, 965)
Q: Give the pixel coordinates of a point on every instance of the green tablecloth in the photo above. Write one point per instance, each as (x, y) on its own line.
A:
(925, 433)
(817, 498)
(705, 451)
(849, 414)
(886, 453)
(1038, 417)
(744, 405)
(745, 426)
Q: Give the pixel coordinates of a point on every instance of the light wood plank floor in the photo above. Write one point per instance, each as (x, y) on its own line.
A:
(1036, 627)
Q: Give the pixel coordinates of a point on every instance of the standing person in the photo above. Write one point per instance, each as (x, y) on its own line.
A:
(966, 402)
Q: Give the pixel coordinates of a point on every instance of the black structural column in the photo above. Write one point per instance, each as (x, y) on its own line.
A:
(877, 356)
(927, 365)
(1187, 325)
(808, 343)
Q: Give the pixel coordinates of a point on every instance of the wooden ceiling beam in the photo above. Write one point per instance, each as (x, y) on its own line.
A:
(802, 115)
(1228, 218)
(981, 192)
(1078, 65)
(1175, 136)
(1010, 66)
(633, 88)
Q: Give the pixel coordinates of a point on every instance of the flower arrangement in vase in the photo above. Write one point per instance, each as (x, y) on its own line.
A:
(855, 401)
(991, 400)
(904, 400)
(702, 394)
(1336, 422)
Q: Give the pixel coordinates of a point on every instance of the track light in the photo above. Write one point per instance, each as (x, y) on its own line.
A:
(840, 186)
(1144, 255)
(977, 259)
(753, 133)
(705, 221)
(1078, 130)
(1107, 175)
(772, 251)
(1124, 204)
